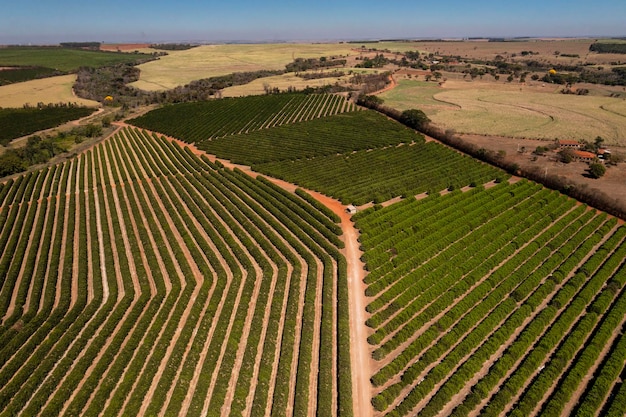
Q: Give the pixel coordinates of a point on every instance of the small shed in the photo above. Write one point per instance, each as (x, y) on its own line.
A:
(351, 209)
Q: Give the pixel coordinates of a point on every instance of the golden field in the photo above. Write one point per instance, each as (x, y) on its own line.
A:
(545, 50)
(46, 90)
(181, 67)
(532, 110)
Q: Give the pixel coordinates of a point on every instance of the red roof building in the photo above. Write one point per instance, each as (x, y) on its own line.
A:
(572, 144)
(584, 156)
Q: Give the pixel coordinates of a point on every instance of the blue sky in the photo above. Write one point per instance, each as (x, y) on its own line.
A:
(46, 21)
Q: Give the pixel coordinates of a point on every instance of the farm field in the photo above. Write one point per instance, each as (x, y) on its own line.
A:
(46, 90)
(508, 300)
(383, 174)
(234, 304)
(283, 82)
(181, 67)
(510, 285)
(218, 118)
(503, 109)
(356, 157)
(545, 49)
(21, 122)
(138, 278)
(63, 59)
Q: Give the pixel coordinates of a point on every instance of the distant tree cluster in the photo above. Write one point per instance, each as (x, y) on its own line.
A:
(560, 78)
(378, 61)
(415, 119)
(320, 75)
(608, 48)
(172, 46)
(369, 83)
(37, 150)
(81, 45)
(578, 91)
(98, 83)
(596, 170)
(370, 101)
(304, 64)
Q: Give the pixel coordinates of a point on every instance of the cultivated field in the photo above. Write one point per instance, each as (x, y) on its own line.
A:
(181, 67)
(62, 59)
(508, 285)
(218, 118)
(533, 110)
(508, 300)
(139, 279)
(46, 90)
(144, 278)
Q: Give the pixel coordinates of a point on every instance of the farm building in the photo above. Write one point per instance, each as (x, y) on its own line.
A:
(568, 144)
(604, 153)
(584, 156)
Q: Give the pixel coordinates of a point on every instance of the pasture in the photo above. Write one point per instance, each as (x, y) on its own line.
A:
(545, 50)
(46, 90)
(181, 67)
(500, 108)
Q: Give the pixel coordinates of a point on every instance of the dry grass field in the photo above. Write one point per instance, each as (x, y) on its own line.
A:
(484, 50)
(284, 81)
(181, 67)
(46, 90)
(533, 110)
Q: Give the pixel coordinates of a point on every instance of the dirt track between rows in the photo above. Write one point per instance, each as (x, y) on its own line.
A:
(359, 349)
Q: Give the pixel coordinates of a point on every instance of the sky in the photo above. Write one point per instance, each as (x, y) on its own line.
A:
(141, 21)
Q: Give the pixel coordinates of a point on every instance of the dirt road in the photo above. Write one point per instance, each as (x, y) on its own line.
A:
(359, 349)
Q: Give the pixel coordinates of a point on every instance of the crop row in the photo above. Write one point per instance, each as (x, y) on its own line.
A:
(339, 134)
(200, 121)
(384, 231)
(203, 286)
(381, 174)
(21, 122)
(520, 258)
(491, 291)
(480, 255)
(423, 241)
(497, 340)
